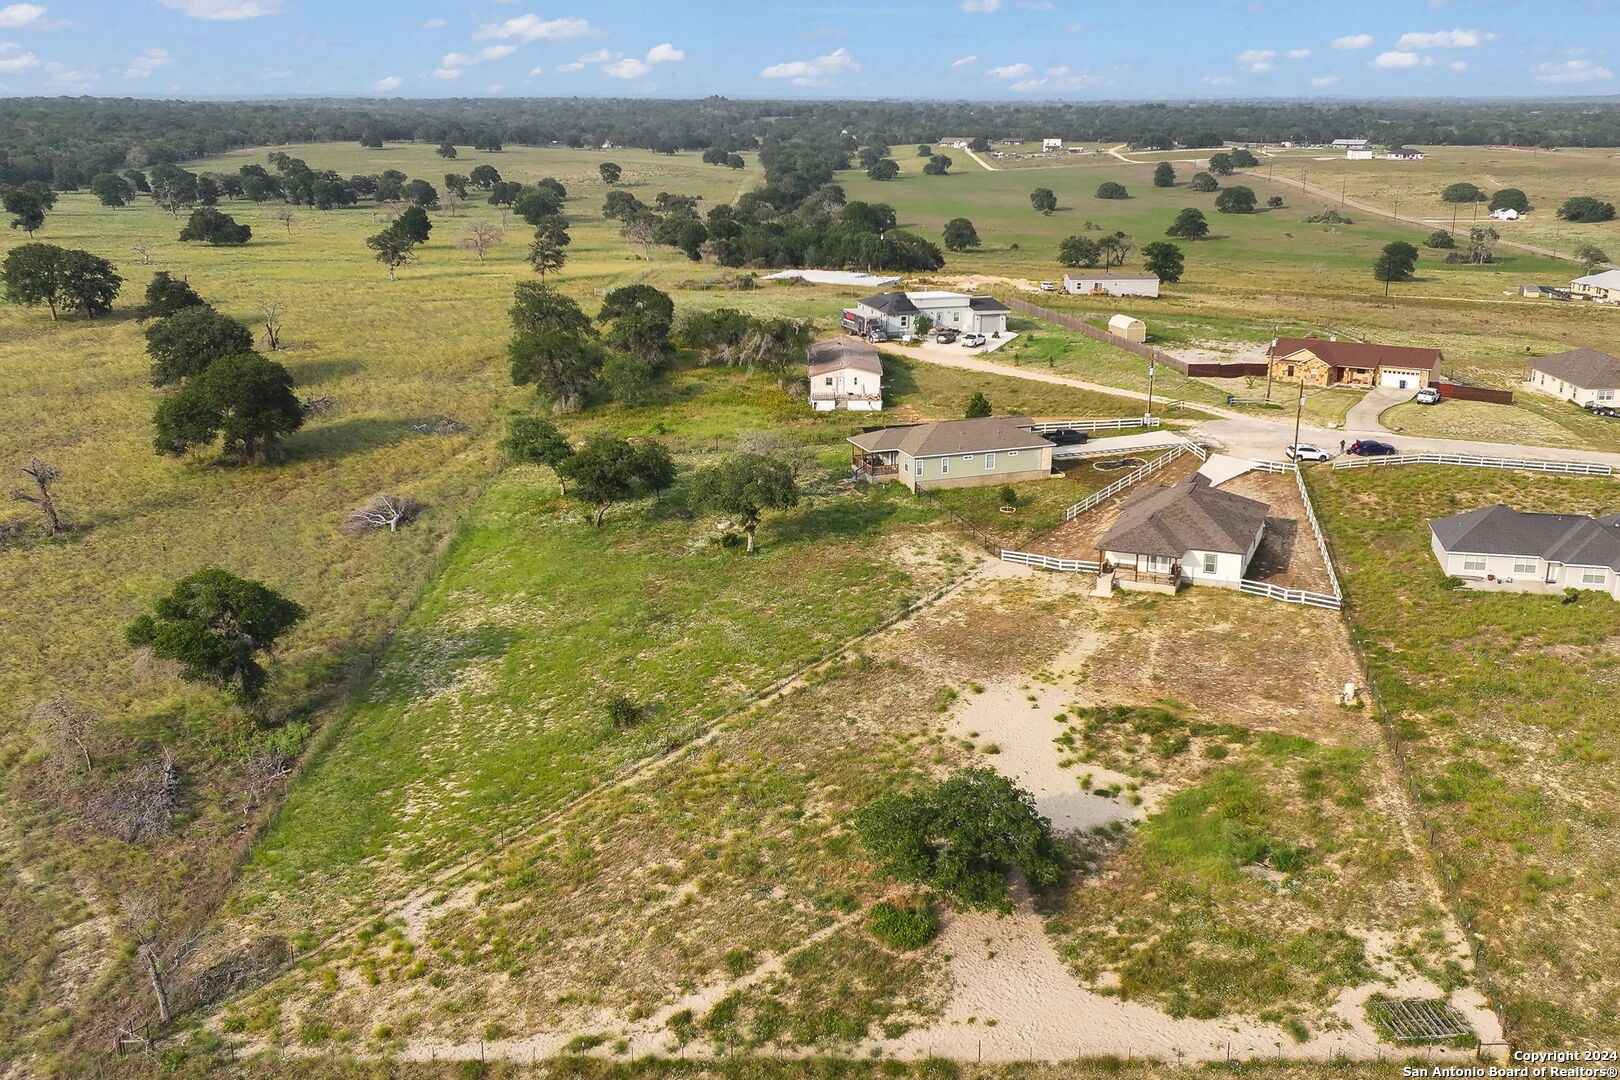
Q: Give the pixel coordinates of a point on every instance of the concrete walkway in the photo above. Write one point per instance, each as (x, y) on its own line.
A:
(1363, 415)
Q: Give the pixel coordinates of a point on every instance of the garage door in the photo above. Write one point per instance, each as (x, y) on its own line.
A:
(1399, 379)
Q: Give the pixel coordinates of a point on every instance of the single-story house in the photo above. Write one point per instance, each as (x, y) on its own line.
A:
(896, 313)
(1051, 144)
(1583, 376)
(1351, 144)
(1112, 283)
(1505, 213)
(1186, 532)
(953, 453)
(1123, 326)
(1359, 155)
(1315, 362)
(845, 373)
(956, 142)
(1600, 286)
(1500, 547)
(1541, 292)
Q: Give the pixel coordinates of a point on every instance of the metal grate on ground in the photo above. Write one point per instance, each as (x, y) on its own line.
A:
(1417, 1019)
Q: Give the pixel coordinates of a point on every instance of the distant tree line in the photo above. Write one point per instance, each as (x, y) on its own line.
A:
(67, 142)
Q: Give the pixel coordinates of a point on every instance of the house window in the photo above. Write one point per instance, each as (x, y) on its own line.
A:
(1012, 453)
(829, 380)
(1290, 374)
(905, 466)
(944, 465)
(1474, 562)
(1524, 566)
(1605, 395)
(1594, 575)
(989, 462)
(1209, 562)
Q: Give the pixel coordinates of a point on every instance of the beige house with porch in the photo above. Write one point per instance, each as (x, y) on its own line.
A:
(1500, 548)
(1355, 364)
(1584, 376)
(1189, 532)
(953, 453)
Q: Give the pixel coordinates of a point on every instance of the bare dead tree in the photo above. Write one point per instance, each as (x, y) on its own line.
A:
(480, 236)
(66, 726)
(43, 475)
(318, 406)
(387, 213)
(450, 203)
(139, 917)
(270, 315)
(170, 197)
(138, 807)
(380, 512)
(643, 234)
(144, 250)
(284, 214)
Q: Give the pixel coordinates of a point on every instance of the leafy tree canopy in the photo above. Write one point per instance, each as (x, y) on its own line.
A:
(1586, 208)
(215, 625)
(215, 228)
(247, 401)
(184, 344)
(744, 486)
(61, 279)
(608, 469)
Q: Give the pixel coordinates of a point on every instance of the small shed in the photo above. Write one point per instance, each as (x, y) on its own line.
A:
(1123, 326)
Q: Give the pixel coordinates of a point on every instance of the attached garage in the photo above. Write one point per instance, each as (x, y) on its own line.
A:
(1402, 380)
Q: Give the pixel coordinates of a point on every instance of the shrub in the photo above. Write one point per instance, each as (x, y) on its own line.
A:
(1586, 208)
(1008, 496)
(1440, 238)
(903, 927)
(622, 712)
(1462, 193)
(1108, 189)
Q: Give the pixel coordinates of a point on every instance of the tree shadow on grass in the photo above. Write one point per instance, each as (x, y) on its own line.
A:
(314, 372)
(346, 437)
(844, 518)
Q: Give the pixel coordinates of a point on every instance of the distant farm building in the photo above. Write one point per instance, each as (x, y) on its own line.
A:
(1112, 283)
(1051, 144)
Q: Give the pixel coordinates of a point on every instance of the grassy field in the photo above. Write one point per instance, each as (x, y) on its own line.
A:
(1547, 177)
(1504, 703)
(390, 355)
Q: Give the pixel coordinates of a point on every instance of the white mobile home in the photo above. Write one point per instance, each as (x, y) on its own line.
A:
(1112, 283)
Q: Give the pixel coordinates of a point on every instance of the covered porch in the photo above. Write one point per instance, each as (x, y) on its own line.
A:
(875, 465)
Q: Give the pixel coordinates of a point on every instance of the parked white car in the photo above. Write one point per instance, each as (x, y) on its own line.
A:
(1427, 396)
(1306, 452)
(972, 341)
(1048, 286)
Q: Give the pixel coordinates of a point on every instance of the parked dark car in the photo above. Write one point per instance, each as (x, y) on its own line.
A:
(1369, 448)
(946, 335)
(1066, 437)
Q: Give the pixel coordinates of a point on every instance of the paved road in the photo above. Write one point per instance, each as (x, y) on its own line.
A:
(1261, 436)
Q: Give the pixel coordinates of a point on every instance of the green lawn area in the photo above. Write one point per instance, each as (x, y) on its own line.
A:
(1038, 507)
(941, 393)
(1504, 703)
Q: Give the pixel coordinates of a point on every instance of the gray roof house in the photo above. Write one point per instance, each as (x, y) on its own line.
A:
(953, 453)
(845, 373)
(1603, 285)
(1584, 376)
(896, 313)
(1189, 531)
(1498, 547)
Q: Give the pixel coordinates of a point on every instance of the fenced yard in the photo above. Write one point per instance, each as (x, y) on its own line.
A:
(1567, 468)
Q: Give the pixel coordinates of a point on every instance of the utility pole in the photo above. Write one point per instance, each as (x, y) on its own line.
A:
(1299, 410)
(1151, 366)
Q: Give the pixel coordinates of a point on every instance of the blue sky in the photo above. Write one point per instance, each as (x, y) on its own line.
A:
(1032, 49)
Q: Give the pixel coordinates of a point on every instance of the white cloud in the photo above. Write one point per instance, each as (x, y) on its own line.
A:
(224, 10)
(665, 54)
(1297, 54)
(1257, 60)
(435, 24)
(563, 69)
(1062, 69)
(1074, 28)
(1010, 71)
(964, 62)
(17, 16)
(600, 56)
(628, 68)
(1219, 80)
(1352, 41)
(981, 5)
(1325, 80)
(536, 71)
(388, 82)
(148, 63)
(1570, 71)
(447, 73)
(13, 61)
(1035, 5)
(456, 59)
(532, 27)
(1397, 60)
(1444, 39)
(64, 78)
(1059, 79)
(1458, 65)
(495, 52)
(822, 71)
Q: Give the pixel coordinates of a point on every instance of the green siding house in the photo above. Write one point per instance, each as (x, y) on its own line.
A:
(953, 453)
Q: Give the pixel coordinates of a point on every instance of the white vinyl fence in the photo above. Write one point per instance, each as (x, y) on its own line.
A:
(1129, 478)
(1290, 596)
(1576, 468)
(1107, 424)
(1048, 562)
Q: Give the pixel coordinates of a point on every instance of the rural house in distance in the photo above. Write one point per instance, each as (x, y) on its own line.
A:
(896, 313)
(953, 453)
(1355, 364)
(845, 373)
(1187, 532)
(1584, 376)
(1603, 286)
(1112, 283)
(1498, 547)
